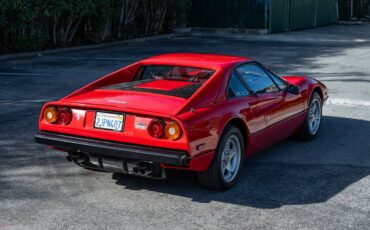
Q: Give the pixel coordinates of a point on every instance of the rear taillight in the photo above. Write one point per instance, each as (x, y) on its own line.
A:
(156, 128)
(51, 115)
(173, 131)
(64, 116)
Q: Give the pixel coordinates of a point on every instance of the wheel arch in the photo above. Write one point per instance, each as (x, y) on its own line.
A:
(211, 178)
(311, 90)
(318, 90)
(240, 124)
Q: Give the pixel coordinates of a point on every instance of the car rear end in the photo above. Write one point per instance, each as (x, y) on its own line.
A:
(127, 127)
(97, 136)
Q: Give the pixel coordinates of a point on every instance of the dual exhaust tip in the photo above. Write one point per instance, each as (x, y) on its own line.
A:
(78, 157)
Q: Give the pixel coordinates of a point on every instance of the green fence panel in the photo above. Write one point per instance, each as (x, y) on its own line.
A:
(229, 14)
(302, 14)
(275, 15)
(344, 9)
(256, 14)
(201, 12)
(233, 13)
(279, 16)
(326, 12)
(360, 8)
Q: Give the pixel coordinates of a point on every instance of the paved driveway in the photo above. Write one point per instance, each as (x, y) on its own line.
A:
(324, 184)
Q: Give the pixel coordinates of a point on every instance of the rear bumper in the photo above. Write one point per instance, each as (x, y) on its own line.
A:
(113, 149)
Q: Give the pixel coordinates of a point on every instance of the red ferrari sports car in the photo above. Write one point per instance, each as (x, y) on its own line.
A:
(185, 111)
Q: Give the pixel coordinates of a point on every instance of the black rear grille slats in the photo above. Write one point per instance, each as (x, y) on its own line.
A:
(126, 85)
(183, 92)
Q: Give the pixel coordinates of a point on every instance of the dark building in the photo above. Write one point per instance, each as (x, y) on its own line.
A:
(263, 16)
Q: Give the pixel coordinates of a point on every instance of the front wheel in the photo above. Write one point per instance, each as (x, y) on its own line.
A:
(226, 165)
(312, 122)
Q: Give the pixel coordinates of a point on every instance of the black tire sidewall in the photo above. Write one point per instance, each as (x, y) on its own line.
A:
(305, 131)
(230, 130)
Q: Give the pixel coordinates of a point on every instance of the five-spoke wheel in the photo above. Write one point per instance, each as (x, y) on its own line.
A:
(314, 115)
(225, 168)
(311, 125)
(230, 158)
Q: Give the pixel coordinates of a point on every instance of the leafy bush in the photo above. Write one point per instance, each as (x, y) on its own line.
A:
(37, 24)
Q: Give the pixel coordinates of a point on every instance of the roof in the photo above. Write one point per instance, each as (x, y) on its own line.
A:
(196, 59)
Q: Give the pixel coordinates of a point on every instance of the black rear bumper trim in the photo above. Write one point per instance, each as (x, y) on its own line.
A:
(113, 149)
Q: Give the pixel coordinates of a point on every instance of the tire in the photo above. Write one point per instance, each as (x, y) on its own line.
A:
(308, 131)
(216, 177)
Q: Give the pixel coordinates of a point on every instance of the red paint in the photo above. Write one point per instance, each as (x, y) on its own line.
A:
(130, 100)
(266, 119)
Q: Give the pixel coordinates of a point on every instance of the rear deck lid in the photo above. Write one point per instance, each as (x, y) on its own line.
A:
(158, 89)
(139, 99)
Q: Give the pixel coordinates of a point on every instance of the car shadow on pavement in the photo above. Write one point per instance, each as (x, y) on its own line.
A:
(290, 173)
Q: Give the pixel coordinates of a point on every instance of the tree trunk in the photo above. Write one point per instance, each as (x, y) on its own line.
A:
(55, 30)
(74, 29)
(107, 27)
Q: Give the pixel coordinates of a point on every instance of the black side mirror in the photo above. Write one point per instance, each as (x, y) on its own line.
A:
(293, 89)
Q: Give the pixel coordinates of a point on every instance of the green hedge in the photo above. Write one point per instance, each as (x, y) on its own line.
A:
(39, 24)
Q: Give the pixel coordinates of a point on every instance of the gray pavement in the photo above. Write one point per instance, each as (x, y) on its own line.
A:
(323, 184)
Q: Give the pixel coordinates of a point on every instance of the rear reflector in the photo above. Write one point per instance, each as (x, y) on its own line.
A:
(156, 128)
(51, 115)
(173, 131)
(64, 116)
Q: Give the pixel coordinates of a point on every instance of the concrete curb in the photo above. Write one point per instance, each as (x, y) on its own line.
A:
(294, 36)
(351, 22)
(83, 47)
(231, 31)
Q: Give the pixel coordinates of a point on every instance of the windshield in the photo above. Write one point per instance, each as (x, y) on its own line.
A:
(177, 81)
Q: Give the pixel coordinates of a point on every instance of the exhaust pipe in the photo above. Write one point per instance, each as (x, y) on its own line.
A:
(77, 157)
(141, 170)
(135, 167)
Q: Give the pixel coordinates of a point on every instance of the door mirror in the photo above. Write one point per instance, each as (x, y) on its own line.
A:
(293, 89)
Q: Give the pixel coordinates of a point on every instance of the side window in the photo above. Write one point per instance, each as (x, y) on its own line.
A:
(282, 84)
(257, 79)
(236, 87)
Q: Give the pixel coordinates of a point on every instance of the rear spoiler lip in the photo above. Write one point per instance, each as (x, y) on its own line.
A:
(106, 108)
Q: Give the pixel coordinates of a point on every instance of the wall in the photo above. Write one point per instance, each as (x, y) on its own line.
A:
(229, 14)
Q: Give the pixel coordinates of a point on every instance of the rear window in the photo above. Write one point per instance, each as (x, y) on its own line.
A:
(177, 81)
(176, 73)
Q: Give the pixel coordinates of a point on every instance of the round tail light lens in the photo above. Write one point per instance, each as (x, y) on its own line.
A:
(51, 115)
(64, 116)
(173, 131)
(156, 128)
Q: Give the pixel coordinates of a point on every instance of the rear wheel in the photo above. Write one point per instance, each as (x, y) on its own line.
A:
(312, 122)
(226, 165)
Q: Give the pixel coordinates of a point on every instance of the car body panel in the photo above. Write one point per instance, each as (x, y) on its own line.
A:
(264, 119)
(130, 100)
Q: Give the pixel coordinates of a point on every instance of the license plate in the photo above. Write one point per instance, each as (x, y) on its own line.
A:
(109, 121)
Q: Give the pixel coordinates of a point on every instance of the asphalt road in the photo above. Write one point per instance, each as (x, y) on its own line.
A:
(323, 184)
